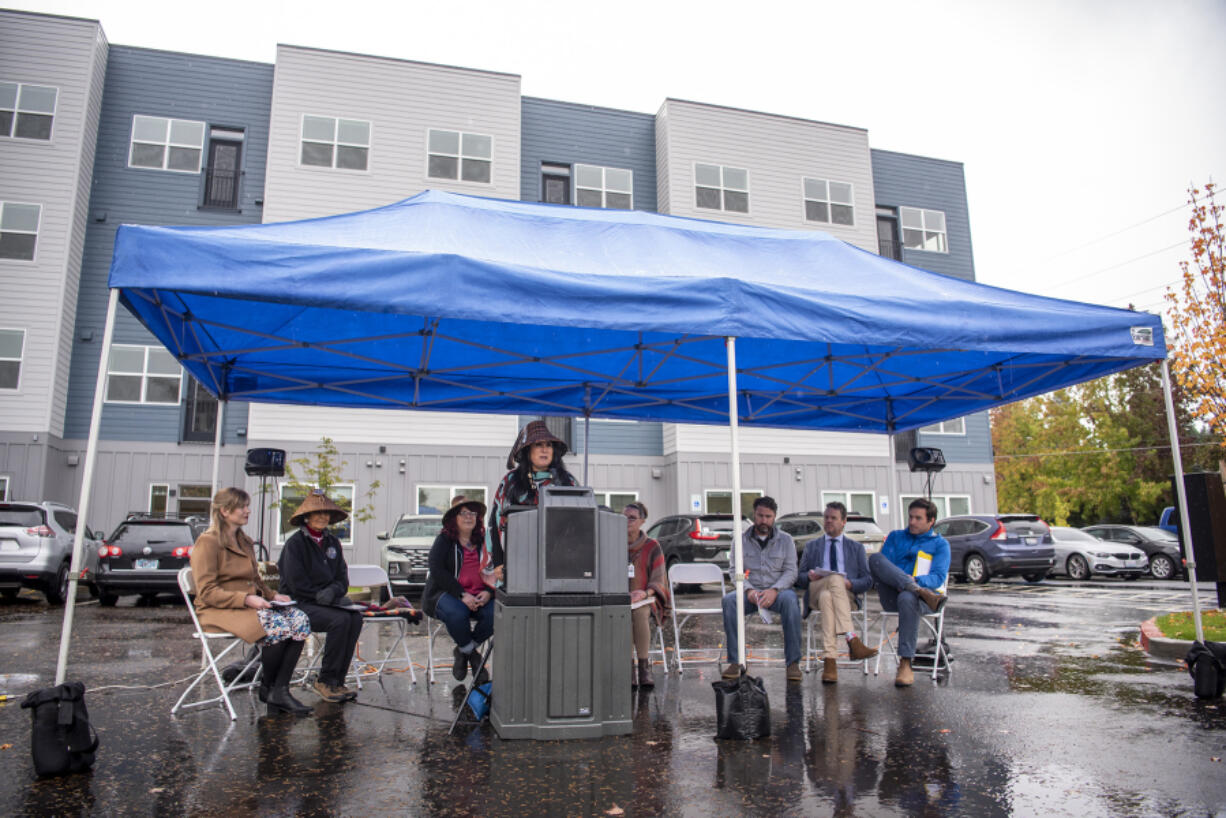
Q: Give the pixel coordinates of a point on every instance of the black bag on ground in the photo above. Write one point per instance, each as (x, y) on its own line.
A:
(61, 739)
(742, 710)
(926, 656)
(1207, 664)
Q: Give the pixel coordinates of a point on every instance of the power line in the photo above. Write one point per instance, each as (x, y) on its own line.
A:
(1115, 266)
(1092, 242)
(1098, 451)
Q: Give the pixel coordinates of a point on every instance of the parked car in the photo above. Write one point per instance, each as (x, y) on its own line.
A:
(1080, 555)
(36, 548)
(1169, 521)
(982, 546)
(807, 525)
(407, 550)
(143, 556)
(1162, 547)
(694, 538)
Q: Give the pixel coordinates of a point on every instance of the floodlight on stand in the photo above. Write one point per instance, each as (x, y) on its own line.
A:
(926, 459)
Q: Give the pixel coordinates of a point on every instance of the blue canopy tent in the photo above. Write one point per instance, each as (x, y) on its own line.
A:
(445, 302)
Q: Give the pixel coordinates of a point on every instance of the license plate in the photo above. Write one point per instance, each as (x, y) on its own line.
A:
(9, 545)
(146, 565)
(1030, 540)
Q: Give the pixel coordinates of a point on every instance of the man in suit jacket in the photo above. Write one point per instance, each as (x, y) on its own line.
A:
(834, 571)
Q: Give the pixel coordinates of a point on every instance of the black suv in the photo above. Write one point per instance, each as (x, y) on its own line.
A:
(143, 556)
(694, 538)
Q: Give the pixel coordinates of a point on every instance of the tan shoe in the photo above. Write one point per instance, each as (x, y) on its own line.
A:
(733, 672)
(830, 671)
(932, 599)
(905, 677)
(858, 650)
(795, 674)
(329, 693)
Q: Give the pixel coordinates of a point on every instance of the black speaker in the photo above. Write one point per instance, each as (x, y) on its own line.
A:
(1207, 528)
(265, 462)
(926, 459)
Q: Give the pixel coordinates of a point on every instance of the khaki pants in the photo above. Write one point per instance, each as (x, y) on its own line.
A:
(640, 621)
(830, 596)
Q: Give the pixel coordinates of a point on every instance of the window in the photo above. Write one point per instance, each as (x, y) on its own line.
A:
(861, 502)
(26, 111)
(330, 142)
(720, 502)
(923, 229)
(719, 188)
(166, 144)
(225, 168)
(437, 499)
(455, 155)
(948, 505)
(611, 188)
(199, 414)
(616, 500)
(957, 426)
(196, 498)
(19, 230)
(12, 345)
(828, 202)
(292, 497)
(159, 496)
(4, 487)
(137, 374)
(555, 183)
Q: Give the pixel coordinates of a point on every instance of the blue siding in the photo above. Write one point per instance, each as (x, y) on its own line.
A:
(220, 92)
(903, 180)
(973, 447)
(567, 133)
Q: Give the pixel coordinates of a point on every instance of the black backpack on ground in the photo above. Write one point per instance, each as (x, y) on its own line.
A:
(1207, 663)
(62, 740)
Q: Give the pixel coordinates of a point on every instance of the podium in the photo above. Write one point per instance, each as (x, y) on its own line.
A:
(562, 621)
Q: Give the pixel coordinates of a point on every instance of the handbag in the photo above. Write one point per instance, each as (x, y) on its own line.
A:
(1207, 665)
(61, 739)
(742, 709)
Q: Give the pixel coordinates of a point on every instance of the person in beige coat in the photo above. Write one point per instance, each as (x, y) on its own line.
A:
(231, 598)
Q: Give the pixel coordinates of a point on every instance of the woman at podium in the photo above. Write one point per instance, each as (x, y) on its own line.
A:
(535, 461)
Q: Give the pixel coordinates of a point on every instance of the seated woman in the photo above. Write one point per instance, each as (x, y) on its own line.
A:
(458, 590)
(314, 573)
(648, 581)
(535, 461)
(231, 597)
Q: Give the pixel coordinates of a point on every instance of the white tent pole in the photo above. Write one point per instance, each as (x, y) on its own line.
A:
(1181, 497)
(738, 569)
(895, 504)
(587, 427)
(221, 421)
(87, 485)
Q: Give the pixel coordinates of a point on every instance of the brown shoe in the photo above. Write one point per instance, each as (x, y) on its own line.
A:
(733, 672)
(830, 671)
(634, 674)
(329, 693)
(858, 650)
(645, 677)
(905, 677)
(795, 674)
(932, 599)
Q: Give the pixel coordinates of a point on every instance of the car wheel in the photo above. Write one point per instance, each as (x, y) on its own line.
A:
(1161, 567)
(975, 569)
(1033, 578)
(107, 600)
(57, 591)
(1077, 567)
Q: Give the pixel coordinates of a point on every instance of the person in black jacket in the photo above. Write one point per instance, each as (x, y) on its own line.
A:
(459, 591)
(314, 574)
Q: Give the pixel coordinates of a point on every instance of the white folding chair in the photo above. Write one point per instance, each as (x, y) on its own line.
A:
(683, 573)
(935, 624)
(859, 616)
(659, 634)
(375, 578)
(210, 664)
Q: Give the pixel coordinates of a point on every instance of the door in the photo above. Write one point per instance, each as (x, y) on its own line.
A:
(887, 238)
(221, 181)
(199, 414)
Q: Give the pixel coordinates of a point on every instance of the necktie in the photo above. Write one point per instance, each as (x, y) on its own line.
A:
(834, 555)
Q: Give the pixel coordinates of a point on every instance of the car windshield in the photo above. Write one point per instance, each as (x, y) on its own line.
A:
(1155, 533)
(418, 528)
(21, 516)
(153, 532)
(1063, 533)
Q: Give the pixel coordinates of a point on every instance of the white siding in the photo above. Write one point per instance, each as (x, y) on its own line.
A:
(689, 438)
(41, 295)
(777, 152)
(267, 421)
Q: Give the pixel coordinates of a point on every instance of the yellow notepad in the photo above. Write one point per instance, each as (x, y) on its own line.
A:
(923, 561)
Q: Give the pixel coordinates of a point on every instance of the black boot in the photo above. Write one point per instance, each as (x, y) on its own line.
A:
(279, 698)
(474, 662)
(459, 664)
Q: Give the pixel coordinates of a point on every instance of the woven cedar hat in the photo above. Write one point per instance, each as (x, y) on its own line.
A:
(459, 504)
(318, 501)
(534, 432)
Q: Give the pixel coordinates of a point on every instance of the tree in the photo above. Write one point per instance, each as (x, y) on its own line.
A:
(1198, 314)
(323, 470)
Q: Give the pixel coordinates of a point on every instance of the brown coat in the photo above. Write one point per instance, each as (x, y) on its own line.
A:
(224, 575)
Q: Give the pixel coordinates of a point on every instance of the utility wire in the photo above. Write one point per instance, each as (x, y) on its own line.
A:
(1092, 242)
(1099, 451)
(1093, 273)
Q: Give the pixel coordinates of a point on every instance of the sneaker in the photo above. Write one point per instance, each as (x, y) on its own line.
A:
(329, 693)
(830, 671)
(905, 677)
(733, 672)
(858, 650)
(459, 665)
(795, 674)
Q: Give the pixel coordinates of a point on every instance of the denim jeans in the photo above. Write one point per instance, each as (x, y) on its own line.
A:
(896, 590)
(457, 619)
(786, 605)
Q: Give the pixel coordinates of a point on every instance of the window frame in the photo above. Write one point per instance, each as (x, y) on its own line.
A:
(17, 111)
(167, 144)
(283, 514)
(336, 142)
(828, 201)
(165, 497)
(706, 498)
(5, 482)
(34, 258)
(606, 495)
(144, 374)
(723, 188)
(939, 428)
(20, 360)
(924, 230)
(846, 500)
(604, 185)
(942, 502)
(452, 490)
(460, 156)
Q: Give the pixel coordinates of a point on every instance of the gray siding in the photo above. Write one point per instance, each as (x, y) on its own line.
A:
(220, 92)
(568, 133)
(615, 438)
(903, 180)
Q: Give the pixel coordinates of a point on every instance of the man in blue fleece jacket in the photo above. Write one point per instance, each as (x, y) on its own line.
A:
(893, 570)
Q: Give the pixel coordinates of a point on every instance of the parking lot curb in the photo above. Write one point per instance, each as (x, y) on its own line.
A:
(1157, 645)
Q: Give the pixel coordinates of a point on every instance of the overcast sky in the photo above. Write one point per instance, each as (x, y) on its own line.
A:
(1080, 124)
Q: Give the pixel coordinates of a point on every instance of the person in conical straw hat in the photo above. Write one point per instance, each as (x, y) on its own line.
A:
(535, 460)
(315, 575)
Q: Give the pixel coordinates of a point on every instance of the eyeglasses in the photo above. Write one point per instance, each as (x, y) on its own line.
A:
(632, 516)
(467, 513)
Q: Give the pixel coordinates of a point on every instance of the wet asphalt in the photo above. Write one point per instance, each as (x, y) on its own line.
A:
(1051, 709)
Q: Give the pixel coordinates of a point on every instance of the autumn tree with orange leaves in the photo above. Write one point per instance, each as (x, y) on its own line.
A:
(1198, 315)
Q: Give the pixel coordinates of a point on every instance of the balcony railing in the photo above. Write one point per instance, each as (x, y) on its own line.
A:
(221, 188)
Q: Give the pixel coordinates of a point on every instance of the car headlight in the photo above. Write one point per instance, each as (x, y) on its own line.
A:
(1102, 555)
(394, 569)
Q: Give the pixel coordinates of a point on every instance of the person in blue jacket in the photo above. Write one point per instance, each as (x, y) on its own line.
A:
(899, 589)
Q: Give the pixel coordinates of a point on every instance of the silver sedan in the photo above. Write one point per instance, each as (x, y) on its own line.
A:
(1080, 555)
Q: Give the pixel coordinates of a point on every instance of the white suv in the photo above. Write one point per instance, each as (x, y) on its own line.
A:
(36, 549)
(407, 550)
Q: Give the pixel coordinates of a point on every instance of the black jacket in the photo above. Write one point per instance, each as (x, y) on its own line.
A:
(445, 561)
(306, 568)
